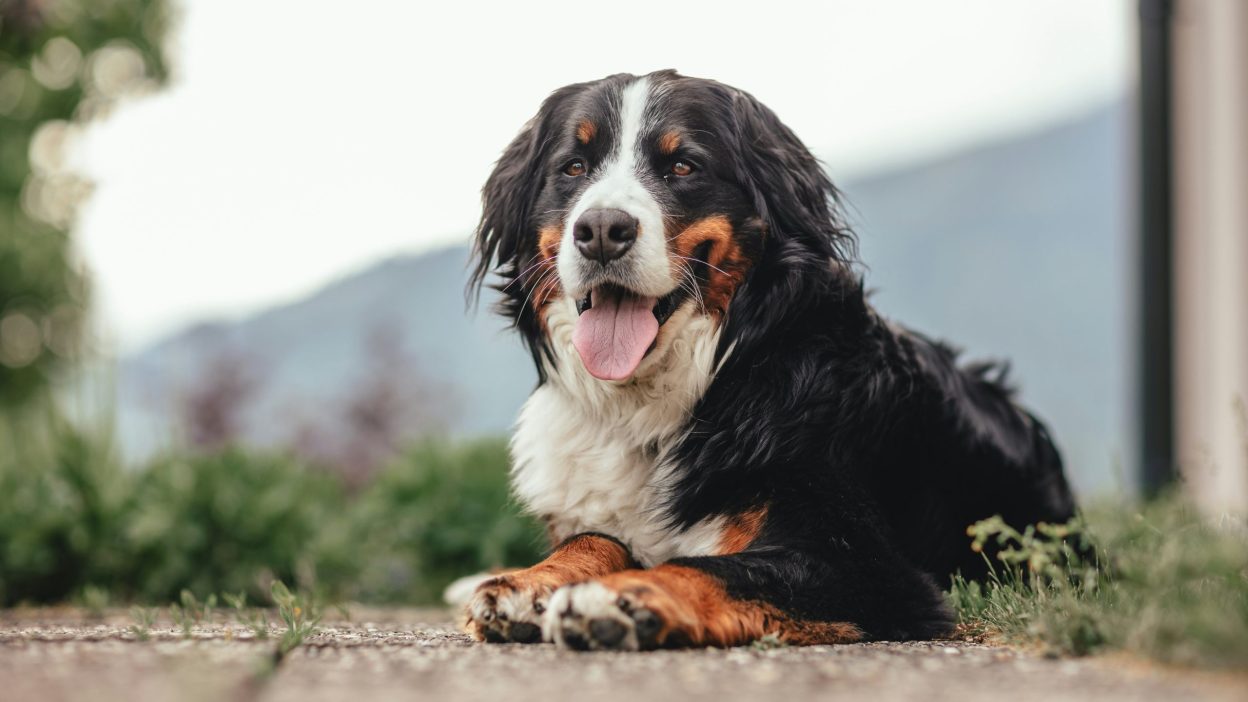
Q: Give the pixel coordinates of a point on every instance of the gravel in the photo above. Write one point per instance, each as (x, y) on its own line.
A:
(57, 654)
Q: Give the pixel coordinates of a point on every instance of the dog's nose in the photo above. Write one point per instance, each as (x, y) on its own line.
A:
(605, 234)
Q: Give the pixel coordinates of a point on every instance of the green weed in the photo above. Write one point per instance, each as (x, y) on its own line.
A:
(253, 618)
(144, 619)
(1171, 585)
(190, 612)
(301, 615)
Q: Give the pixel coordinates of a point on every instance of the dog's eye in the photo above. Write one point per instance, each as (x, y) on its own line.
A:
(574, 168)
(682, 168)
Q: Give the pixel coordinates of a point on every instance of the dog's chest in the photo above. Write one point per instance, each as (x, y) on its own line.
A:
(593, 457)
(580, 477)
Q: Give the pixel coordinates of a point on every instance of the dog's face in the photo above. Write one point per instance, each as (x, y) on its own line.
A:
(634, 198)
(641, 214)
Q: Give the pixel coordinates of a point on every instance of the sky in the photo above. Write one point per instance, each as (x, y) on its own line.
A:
(301, 140)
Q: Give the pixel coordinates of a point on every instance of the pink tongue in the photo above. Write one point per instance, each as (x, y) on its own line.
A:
(614, 334)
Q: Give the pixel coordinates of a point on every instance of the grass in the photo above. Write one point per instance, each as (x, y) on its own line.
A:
(1170, 585)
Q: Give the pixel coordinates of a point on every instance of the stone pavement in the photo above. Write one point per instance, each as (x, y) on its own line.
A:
(58, 654)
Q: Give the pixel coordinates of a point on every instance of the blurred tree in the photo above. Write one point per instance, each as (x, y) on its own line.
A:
(213, 411)
(389, 406)
(62, 63)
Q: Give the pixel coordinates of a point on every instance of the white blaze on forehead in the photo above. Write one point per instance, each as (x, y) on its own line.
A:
(616, 184)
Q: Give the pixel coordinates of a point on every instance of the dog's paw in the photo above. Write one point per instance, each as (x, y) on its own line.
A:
(594, 617)
(508, 609)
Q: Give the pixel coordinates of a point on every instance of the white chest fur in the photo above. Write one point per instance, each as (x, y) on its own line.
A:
(591, 455)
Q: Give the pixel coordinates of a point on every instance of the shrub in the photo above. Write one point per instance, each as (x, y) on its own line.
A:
(229, 521)
(74, 522)
(63, 498)
(436, 513)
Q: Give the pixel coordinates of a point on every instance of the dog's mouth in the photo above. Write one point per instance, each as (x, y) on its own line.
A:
(616, 328)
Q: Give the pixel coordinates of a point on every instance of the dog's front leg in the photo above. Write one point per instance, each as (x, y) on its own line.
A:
(673, 606)
(509, 608)
(736, 599)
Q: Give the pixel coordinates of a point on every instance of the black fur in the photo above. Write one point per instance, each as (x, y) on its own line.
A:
(871, 448)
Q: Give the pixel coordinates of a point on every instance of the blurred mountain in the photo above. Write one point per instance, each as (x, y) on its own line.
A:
(1013, 249)
(305, 357)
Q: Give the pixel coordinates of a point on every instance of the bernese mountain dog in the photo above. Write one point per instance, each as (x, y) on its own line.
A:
(726, 441)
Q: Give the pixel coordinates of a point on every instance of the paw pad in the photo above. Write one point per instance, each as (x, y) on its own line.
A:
(505, 611)
(590, 616)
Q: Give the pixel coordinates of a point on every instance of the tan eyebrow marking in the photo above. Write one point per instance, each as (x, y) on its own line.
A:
(585, 131)
(668, 143)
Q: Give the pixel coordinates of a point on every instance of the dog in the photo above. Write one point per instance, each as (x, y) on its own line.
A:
(726, 442)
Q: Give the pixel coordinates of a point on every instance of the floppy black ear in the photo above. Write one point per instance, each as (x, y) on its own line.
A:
(790, 189)
(507, 234)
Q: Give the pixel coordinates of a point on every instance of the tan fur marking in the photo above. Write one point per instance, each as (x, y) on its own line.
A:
(741, 530)
(728, 263)
(668, 143)
(585, 131)
(696, 610)
(548, 288)
(548, 240)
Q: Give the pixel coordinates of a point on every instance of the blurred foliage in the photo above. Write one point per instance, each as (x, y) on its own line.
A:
(1171, 585)
(219, 522)
(74, 523)
(62, 63)
(433, 510)
(63, 505)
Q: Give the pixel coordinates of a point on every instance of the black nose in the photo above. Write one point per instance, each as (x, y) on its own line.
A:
(603, 235)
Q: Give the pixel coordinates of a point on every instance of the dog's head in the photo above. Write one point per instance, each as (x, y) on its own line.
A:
(642, 203)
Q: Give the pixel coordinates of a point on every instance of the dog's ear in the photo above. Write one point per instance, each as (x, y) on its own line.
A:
(791, 191)
(506, 233)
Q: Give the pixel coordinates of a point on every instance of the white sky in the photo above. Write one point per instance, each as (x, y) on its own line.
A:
(302, 139)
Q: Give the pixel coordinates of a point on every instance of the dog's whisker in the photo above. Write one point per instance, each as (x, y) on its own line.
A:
(539, 288)
(687, 283)
(521, 274)
(538, 283)
(705, 263)
(540, 261)
(550, 290)
(693, 288)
